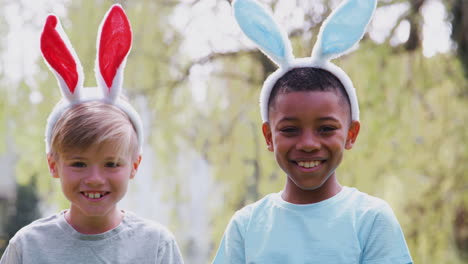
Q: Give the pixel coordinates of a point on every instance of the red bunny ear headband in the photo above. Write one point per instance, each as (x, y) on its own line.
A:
(113, 45)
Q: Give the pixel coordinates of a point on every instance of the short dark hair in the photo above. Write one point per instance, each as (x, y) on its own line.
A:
(309, 79)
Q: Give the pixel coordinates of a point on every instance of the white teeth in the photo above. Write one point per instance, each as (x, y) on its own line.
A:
(308, 164)
(93, 195)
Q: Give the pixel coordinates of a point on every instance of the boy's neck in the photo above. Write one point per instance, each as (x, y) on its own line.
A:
(295, 195)
(91, 225)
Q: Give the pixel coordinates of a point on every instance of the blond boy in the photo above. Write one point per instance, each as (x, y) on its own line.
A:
(93, 144)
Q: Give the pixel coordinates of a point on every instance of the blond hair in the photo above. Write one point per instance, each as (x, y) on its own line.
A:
(94, 123)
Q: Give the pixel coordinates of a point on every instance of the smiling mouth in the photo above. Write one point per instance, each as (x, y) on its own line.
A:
(309, 164)
(94, 195)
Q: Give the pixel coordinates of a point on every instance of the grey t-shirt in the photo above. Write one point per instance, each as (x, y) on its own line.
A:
(52, 240)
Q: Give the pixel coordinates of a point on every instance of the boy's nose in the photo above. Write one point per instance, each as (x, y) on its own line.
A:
(94, 178)
(308, 142)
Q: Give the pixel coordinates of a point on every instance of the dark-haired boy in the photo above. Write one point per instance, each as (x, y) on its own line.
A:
(310, 115)
(313, 219)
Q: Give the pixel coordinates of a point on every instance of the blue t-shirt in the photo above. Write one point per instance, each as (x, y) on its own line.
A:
(350, 227)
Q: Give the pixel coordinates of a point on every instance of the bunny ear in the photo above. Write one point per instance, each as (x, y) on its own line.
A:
(114, 43)
(61, 58)
(343, 28)
(258, 24)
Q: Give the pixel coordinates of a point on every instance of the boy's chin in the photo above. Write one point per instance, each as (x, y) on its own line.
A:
(309, 186)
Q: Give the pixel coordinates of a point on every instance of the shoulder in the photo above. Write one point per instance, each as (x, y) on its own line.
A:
(251, 213)
(38, 227)
(34, 234)
(366, 211)
(232, 245)
(150, 229)
(362, 198)
(380, 235)
(154, 235)
(376, 218)
(365, 204)
(253, 209)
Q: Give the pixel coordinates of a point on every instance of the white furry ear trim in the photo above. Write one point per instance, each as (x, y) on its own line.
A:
(135, 118)
(113, 45)
(347, 84)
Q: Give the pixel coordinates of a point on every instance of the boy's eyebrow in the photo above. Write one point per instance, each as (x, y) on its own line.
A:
(119, 158)
(287, 118)
(111, 158)
(73, 157)
(324, 118)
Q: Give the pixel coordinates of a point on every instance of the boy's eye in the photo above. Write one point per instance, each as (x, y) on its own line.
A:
(326, 129)
(111, 164)
(289, 130)
(78, 164)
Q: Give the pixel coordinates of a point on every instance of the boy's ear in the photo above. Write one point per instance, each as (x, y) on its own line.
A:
(267, 135)
(135, 166)
(353, 132)
(52, 161)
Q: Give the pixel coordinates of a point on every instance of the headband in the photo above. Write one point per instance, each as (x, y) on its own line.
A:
(113, 45)
(340, 32)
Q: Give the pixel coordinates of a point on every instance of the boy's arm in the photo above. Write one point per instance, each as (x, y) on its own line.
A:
(169, 253)
(11, 255)
(232, 248)
(385, 243)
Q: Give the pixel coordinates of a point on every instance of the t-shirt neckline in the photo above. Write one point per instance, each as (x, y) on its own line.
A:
(327, 202)
(67, 228)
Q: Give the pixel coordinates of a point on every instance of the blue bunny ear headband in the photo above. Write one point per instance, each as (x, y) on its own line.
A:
(340, 32)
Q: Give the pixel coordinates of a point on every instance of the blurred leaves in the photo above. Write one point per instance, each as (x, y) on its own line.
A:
(412, 149)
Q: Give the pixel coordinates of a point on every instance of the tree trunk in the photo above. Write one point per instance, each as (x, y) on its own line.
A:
(460, 31)
(414, 18)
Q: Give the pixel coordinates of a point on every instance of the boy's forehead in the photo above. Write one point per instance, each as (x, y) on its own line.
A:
(306, 97)
(109, 147)
(331, 102)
